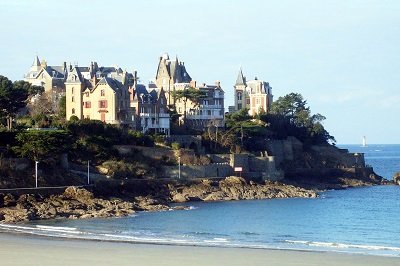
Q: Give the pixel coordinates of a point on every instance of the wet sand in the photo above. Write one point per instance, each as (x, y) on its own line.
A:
(31, 250)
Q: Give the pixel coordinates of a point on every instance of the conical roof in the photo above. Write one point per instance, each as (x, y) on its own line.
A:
(241, 80)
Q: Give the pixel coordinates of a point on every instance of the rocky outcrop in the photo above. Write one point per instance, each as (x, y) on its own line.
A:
(76, 203)
(396, 178)
(236, 188)
(73, 203)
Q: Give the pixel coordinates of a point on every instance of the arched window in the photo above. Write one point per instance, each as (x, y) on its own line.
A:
(239, 96)
(73, 111)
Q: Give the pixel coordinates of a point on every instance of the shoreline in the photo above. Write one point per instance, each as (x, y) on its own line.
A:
(23, 249)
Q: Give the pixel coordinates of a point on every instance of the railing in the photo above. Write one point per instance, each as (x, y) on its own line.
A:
(153, 115)
(204, 117)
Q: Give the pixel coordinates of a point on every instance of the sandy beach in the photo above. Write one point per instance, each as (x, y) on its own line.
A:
(32, 250)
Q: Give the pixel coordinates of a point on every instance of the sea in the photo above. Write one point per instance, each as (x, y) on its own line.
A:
(358, 220)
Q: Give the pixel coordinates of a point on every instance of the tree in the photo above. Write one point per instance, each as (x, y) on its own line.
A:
(62, 108)
(189, 94)
(291, 116)
(14, 96)
(40, 106)
(41, 145)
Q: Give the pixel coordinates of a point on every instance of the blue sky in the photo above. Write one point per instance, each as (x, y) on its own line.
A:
(342, 56)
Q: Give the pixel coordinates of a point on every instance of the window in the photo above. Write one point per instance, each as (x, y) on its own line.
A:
(205, 102)
(102, 93)
(239, 96)
(72, 90)
(248, 101)
(258, 101)
(73, 111)
(72, 100)
(87, 94)
(239, 106)
(103, 104)
(208, 112)
(87, 105)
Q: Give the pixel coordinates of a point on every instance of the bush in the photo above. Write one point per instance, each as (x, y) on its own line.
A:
(175, 146)
(126, 170)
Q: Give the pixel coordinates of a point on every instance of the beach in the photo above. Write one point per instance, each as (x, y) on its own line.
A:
(16, 249)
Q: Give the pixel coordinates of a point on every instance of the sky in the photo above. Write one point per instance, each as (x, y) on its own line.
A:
(342, 56)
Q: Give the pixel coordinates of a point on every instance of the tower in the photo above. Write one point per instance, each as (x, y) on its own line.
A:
(73, 93)
(240, 91)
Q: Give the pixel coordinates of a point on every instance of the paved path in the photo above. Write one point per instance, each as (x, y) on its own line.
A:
(38, 189)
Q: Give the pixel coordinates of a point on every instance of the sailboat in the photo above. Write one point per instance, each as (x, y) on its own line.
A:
(364, 141)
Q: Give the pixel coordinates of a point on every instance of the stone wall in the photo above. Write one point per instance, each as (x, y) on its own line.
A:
(187, 141)
(361, 172)
(284, 150)
(198, 171)
(152, 152)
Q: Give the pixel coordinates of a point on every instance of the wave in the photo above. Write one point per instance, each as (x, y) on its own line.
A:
(343, 245)
(204, 239)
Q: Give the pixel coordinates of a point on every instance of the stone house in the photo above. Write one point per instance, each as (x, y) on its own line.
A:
(51, 78)
(209, 111)
(150, 109)
(169, 73)
(99, 98)
(172, 76)
(255, 95)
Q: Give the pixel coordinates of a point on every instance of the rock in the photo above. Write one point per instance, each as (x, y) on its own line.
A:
(179, 198)
(80, 194)
(9, 200)
(396, 178)
(235, 180)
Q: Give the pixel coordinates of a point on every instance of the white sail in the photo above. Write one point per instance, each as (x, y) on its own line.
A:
(364, 141)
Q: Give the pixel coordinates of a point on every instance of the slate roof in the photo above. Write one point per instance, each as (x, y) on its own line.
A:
(241, 80)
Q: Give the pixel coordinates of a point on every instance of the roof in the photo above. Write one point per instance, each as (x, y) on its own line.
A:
(36, 61)
(56, 71)
(240, 80)
(113, 83)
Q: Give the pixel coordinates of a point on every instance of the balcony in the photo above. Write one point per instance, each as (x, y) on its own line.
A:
(205, 117)
(151, 115)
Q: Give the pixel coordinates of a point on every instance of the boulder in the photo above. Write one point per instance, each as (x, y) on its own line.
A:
(396, 178)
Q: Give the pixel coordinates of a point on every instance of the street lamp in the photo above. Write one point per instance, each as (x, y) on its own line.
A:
(88, 173)
(179, 167)
(36, 174)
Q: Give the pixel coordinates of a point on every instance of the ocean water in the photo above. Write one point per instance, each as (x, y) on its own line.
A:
(360, 220)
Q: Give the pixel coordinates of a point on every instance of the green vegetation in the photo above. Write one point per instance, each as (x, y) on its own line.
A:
(188, 94)
(41, 145)
(289, 116)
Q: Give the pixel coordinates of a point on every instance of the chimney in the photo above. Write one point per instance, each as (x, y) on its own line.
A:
(218, 83)
(94, 80)
(193, 83)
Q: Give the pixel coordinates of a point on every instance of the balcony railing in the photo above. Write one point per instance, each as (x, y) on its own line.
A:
(204, 117)
(153, 115)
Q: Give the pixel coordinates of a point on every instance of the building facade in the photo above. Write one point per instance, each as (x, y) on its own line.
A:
(150, 109)
(172, 76)
(254, 95)
(209, 111)
(51, 78)
(169, 73)
(99, 98)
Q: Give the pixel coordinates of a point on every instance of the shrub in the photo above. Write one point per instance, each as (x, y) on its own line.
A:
(175, 146)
